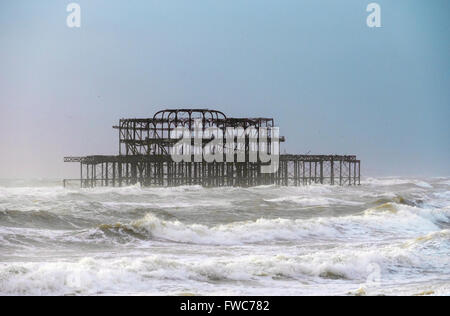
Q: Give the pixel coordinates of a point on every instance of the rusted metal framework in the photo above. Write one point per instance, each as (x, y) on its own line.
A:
(145, 147)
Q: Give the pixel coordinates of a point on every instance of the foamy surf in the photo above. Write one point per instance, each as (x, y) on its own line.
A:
(387, 236)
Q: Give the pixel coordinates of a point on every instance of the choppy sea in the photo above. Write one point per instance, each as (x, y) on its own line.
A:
(389, 236)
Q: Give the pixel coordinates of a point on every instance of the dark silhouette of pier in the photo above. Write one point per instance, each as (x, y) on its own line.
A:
(145, 147)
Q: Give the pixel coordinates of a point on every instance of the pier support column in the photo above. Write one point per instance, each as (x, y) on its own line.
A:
(359, 172)
(296, 173)
(102, 181)
(286, 173)
(321, 172)
(315, 171)
(332, 172)
(113, 174)
(107, 175)
(127, 174)
(87, 176)
(304, 180)
(349, 173)
(310, 172)
(94, 175)
(119, 166)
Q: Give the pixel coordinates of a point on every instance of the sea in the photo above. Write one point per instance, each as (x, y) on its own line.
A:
(388, 236)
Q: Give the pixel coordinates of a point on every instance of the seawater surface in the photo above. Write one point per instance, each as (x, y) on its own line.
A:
(388, 236)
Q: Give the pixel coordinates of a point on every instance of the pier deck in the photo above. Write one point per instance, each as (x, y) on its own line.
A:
(160, 170)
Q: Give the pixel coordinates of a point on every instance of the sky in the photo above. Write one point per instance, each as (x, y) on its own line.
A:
(333, 85)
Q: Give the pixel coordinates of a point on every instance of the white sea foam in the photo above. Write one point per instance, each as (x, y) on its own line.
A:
(396, 181)
(447, 182)
(262, 240)
(439, 239)
(314, 201)
(164, 205)
(382, 221)
(165, 274)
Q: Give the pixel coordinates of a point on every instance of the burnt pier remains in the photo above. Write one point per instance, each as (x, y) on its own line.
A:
(145, 147)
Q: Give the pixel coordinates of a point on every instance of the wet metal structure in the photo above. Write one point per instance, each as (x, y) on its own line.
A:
(145, 147)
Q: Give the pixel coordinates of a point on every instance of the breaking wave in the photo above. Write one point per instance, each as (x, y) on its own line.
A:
(225, 241)
(388, 218)
(150, 274)
(397, 181)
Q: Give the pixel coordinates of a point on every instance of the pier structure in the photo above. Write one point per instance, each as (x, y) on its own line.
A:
(146, 145)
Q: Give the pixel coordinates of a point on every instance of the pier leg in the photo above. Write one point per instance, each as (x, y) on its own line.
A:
(321, 172)
(332, 172)
(107, 174)
(349, 173)
(310, 172)
(94, 175)
(114, 174)
(127, 174)
(120, 166)
(87, 176)
(359, 172)
(304, 181)
(286, 173)
(296, 173)
(315, 171)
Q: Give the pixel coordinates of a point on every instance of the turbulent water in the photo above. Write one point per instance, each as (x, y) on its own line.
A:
(388, 236)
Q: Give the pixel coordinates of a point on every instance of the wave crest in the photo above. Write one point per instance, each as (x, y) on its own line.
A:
(388, 217)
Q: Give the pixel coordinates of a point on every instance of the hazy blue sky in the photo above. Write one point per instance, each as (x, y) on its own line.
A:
(332, 84)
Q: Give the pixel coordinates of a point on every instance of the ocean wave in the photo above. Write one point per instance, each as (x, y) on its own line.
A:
(41, 219)
(443, 195)
(314, 201)
(382, 221)
(396, 181)
(439, 239)
(34, 240)
(33, 192)
(159, 273)
(58, 192)
(259, 240)
(395, 198)
(261, 230)
(165, 205)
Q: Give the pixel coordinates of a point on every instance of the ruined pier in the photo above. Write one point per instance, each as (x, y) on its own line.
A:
(146, 149)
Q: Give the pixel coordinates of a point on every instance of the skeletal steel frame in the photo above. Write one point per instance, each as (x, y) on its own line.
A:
(145, 147)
